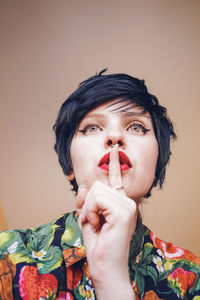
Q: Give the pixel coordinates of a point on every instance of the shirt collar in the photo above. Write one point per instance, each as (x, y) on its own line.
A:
(137, 240)
(72, 241)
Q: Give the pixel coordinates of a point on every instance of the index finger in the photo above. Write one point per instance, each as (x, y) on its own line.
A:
(115, 177)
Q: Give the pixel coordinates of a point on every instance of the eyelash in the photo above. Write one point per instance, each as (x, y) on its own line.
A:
(84, 130)
(144, 129)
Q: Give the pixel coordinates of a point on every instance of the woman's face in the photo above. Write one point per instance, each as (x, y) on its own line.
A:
(138, 149)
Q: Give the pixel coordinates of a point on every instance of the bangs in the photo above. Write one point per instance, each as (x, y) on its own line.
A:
(128, 107)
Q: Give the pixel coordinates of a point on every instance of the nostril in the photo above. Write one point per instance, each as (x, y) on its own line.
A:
(119, 143)
(111, 144)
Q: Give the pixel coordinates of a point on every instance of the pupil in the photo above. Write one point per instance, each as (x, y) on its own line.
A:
(136, 128)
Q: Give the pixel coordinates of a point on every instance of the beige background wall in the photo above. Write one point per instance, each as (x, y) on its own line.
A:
(47, 48)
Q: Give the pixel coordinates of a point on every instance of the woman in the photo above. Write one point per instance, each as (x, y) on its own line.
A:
(113, 143)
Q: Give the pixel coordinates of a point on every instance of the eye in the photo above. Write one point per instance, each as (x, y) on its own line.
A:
(90, 129)
(137, 128)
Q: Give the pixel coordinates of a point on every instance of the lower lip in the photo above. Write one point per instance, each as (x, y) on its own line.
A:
(123, 167)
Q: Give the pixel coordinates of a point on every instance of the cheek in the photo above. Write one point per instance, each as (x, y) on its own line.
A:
(81, 158)
(148, 157)
(83, 163)
(152, 157)
(76, 155)
(77, 162)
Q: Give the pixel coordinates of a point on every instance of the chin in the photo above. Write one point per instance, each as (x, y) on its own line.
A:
(137, 197)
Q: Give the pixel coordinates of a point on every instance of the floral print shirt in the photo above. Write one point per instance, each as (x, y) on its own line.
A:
(49, 262)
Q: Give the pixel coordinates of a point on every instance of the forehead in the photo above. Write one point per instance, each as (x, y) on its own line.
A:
(117, 106)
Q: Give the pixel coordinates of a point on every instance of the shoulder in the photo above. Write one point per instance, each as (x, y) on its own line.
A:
(25, 245)
(25, 235)
(28, 253)
(170, 271)
(171, 251)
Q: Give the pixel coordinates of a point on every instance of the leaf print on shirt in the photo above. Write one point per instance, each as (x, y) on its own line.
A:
(6, 240)
(72, 236)
(42, 237)
(69, 233)
(47, 256)
(16, 250)
(11, 243)
(12, 249)
(50, 261)
(144, 268)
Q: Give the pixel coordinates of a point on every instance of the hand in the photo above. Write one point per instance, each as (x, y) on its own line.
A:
(107, 218)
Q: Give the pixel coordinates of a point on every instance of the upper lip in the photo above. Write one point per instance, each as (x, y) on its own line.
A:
(123, 159)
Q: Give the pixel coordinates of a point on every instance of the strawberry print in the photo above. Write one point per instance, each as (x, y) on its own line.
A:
(33, 285)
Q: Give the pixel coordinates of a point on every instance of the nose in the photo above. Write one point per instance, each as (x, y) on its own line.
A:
(115, 138)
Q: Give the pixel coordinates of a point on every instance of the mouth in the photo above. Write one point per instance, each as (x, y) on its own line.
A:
(125, 163)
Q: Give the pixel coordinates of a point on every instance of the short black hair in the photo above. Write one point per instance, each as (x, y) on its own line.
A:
(100, 89)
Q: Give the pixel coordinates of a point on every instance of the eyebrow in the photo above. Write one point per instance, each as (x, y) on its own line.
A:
(124, 113)
(130, 111)
(94, 115)
(142, 113)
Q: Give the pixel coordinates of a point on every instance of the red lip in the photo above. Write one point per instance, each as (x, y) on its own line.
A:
(124, 161)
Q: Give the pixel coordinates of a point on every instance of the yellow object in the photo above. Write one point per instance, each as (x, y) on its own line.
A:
(3, 224)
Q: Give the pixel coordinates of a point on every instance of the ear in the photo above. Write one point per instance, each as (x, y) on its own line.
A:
(70, 176)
